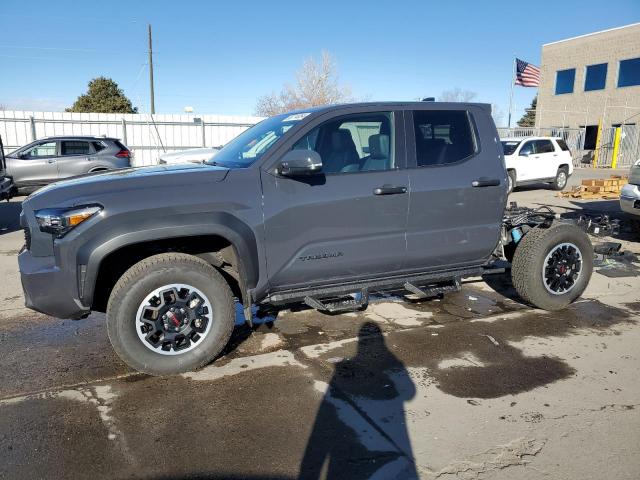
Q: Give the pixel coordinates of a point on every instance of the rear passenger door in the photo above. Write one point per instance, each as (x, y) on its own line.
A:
(74, 158)
(458, 187)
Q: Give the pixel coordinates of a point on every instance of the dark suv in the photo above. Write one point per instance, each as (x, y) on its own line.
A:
(50, 159)
(322, 207)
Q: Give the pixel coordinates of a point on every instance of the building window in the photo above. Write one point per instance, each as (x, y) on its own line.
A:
(595, 77)
(629, 72)
(565, 80)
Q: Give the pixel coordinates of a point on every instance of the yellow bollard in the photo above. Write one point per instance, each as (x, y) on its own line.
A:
(595, 154)
(616, 147)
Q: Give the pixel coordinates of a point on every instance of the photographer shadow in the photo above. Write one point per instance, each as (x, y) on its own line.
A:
(360, 430)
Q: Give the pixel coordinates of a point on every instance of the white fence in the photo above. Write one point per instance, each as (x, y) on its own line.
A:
(628, 149)
(147, 136)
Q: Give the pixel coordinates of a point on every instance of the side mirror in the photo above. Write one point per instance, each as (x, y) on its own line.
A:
(22, 155)
(524, 154)
(300, 163)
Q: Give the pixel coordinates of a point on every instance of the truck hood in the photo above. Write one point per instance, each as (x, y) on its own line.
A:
(127, 181)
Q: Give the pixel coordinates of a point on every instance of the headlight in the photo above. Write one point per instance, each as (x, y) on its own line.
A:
(59, 221)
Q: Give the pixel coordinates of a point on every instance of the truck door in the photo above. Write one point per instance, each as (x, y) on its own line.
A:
(458, 187)
(350, 220)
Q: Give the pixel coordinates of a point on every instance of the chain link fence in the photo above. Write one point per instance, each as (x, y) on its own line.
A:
(584, 151)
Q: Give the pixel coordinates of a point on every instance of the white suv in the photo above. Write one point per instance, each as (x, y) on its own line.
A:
(537, 159)
(630, 195)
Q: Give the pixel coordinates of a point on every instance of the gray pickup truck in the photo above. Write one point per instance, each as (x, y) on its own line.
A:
(321, 207)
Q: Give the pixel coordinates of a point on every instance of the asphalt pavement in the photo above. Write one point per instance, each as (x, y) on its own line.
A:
(474, 385)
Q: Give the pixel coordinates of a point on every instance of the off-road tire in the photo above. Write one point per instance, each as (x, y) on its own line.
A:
(562, 178)
(155, 272)
(528, 260)
(512, 181)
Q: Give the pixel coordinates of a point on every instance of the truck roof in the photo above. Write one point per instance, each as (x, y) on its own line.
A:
(391, 104)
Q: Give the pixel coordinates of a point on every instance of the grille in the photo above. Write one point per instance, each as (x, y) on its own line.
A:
(27, 238)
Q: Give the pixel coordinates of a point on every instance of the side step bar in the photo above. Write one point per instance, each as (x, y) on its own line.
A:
(340, 305)
(434, 290)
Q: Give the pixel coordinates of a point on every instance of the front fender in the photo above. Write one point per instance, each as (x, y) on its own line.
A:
(91, 255)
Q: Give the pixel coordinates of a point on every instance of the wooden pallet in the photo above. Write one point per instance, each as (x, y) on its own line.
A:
(607, 189)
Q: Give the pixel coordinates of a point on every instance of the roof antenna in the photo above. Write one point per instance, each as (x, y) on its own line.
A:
(429, 99)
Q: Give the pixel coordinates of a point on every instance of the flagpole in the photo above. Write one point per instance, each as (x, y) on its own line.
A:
(513, 81)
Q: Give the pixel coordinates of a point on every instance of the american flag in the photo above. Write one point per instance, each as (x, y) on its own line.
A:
(527, 75)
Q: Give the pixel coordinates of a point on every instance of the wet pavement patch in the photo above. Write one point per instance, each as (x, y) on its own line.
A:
(494, 370)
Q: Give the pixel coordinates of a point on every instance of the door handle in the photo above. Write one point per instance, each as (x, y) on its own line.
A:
(389, 190)
(51, 160)
(486, 182)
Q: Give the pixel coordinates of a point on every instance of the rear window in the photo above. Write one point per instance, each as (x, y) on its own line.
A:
(75, 148)
(442, 136)
(562, 144)
(120, 145)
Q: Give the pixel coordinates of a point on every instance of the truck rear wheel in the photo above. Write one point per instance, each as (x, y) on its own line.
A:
(552, 267)
(170, 313)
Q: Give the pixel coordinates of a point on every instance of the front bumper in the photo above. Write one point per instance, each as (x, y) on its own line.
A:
(48, 289)
(630, 199)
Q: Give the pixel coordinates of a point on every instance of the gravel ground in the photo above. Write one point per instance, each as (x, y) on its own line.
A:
(476, 385)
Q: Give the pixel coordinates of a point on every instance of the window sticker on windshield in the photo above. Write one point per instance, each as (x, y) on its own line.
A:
(296, 117)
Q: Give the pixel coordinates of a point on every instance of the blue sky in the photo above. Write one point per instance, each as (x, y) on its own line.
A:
(220, 56)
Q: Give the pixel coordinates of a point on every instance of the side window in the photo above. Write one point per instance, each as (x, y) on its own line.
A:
(97, 146)
(527, 149)
(562, 144)
(544, 146)
(442, 136)
(353, 143)
(47, 149)
(75, 148)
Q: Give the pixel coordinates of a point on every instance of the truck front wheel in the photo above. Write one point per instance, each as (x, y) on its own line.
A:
(170, 313)
(552, 267)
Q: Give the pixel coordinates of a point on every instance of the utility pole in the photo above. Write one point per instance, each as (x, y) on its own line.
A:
(153, 106)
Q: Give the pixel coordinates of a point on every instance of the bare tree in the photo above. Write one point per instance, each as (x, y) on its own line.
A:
(316, 84)
(457, 95)
(497, 114)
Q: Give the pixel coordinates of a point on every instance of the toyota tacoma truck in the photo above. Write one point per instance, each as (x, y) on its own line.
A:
(321, 207)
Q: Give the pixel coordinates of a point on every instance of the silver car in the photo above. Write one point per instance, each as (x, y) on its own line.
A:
(50, 159)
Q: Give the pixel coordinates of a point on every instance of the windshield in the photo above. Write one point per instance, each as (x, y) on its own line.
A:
(251, 144)
(509, 146)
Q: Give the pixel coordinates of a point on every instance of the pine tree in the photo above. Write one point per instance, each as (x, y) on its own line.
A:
(529, 117)
(103, 96)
